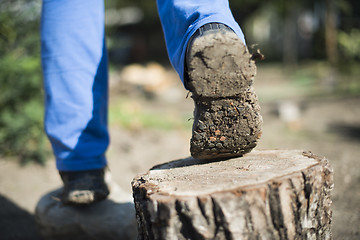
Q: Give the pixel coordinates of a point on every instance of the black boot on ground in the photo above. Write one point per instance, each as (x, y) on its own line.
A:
(84, 187)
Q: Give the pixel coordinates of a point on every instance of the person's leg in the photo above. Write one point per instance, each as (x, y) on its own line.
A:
(180, 19)
(207, 49)
(75, 81)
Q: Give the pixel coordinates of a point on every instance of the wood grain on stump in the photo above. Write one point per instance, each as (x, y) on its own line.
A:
(263, 195)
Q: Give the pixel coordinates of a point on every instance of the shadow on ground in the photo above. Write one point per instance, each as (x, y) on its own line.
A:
(351, 132)
(16, 223)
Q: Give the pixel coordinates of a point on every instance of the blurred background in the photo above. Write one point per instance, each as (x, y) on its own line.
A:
(308, 86)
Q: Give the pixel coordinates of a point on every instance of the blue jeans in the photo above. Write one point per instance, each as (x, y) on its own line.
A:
(74, 62)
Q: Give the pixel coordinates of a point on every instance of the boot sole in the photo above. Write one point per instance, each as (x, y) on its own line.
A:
(226, 116)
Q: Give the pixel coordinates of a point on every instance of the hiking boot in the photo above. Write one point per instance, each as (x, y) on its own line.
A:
(220, 73)
(84, 187)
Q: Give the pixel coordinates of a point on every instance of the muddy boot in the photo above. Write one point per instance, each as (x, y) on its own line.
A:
(220, 76)
(84, 187)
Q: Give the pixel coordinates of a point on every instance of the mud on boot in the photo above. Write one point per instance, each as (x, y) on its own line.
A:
(220, 75)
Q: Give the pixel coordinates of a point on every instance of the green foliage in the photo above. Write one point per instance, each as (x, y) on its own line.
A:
(350, 43)
(21, 95)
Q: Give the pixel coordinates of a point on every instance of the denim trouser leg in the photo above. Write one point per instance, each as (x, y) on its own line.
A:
(75, 81)
(181, 18)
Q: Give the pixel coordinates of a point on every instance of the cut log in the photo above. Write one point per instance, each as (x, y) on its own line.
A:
(263, 195)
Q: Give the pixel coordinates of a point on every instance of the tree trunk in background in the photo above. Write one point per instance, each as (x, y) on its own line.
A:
(290, 52)
(331, 32)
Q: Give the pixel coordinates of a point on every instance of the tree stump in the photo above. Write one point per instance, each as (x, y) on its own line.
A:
(263, 195)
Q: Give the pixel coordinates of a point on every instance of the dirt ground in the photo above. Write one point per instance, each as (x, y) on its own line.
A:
(328, 126)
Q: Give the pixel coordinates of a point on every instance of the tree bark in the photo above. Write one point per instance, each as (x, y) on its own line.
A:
(263, 195)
